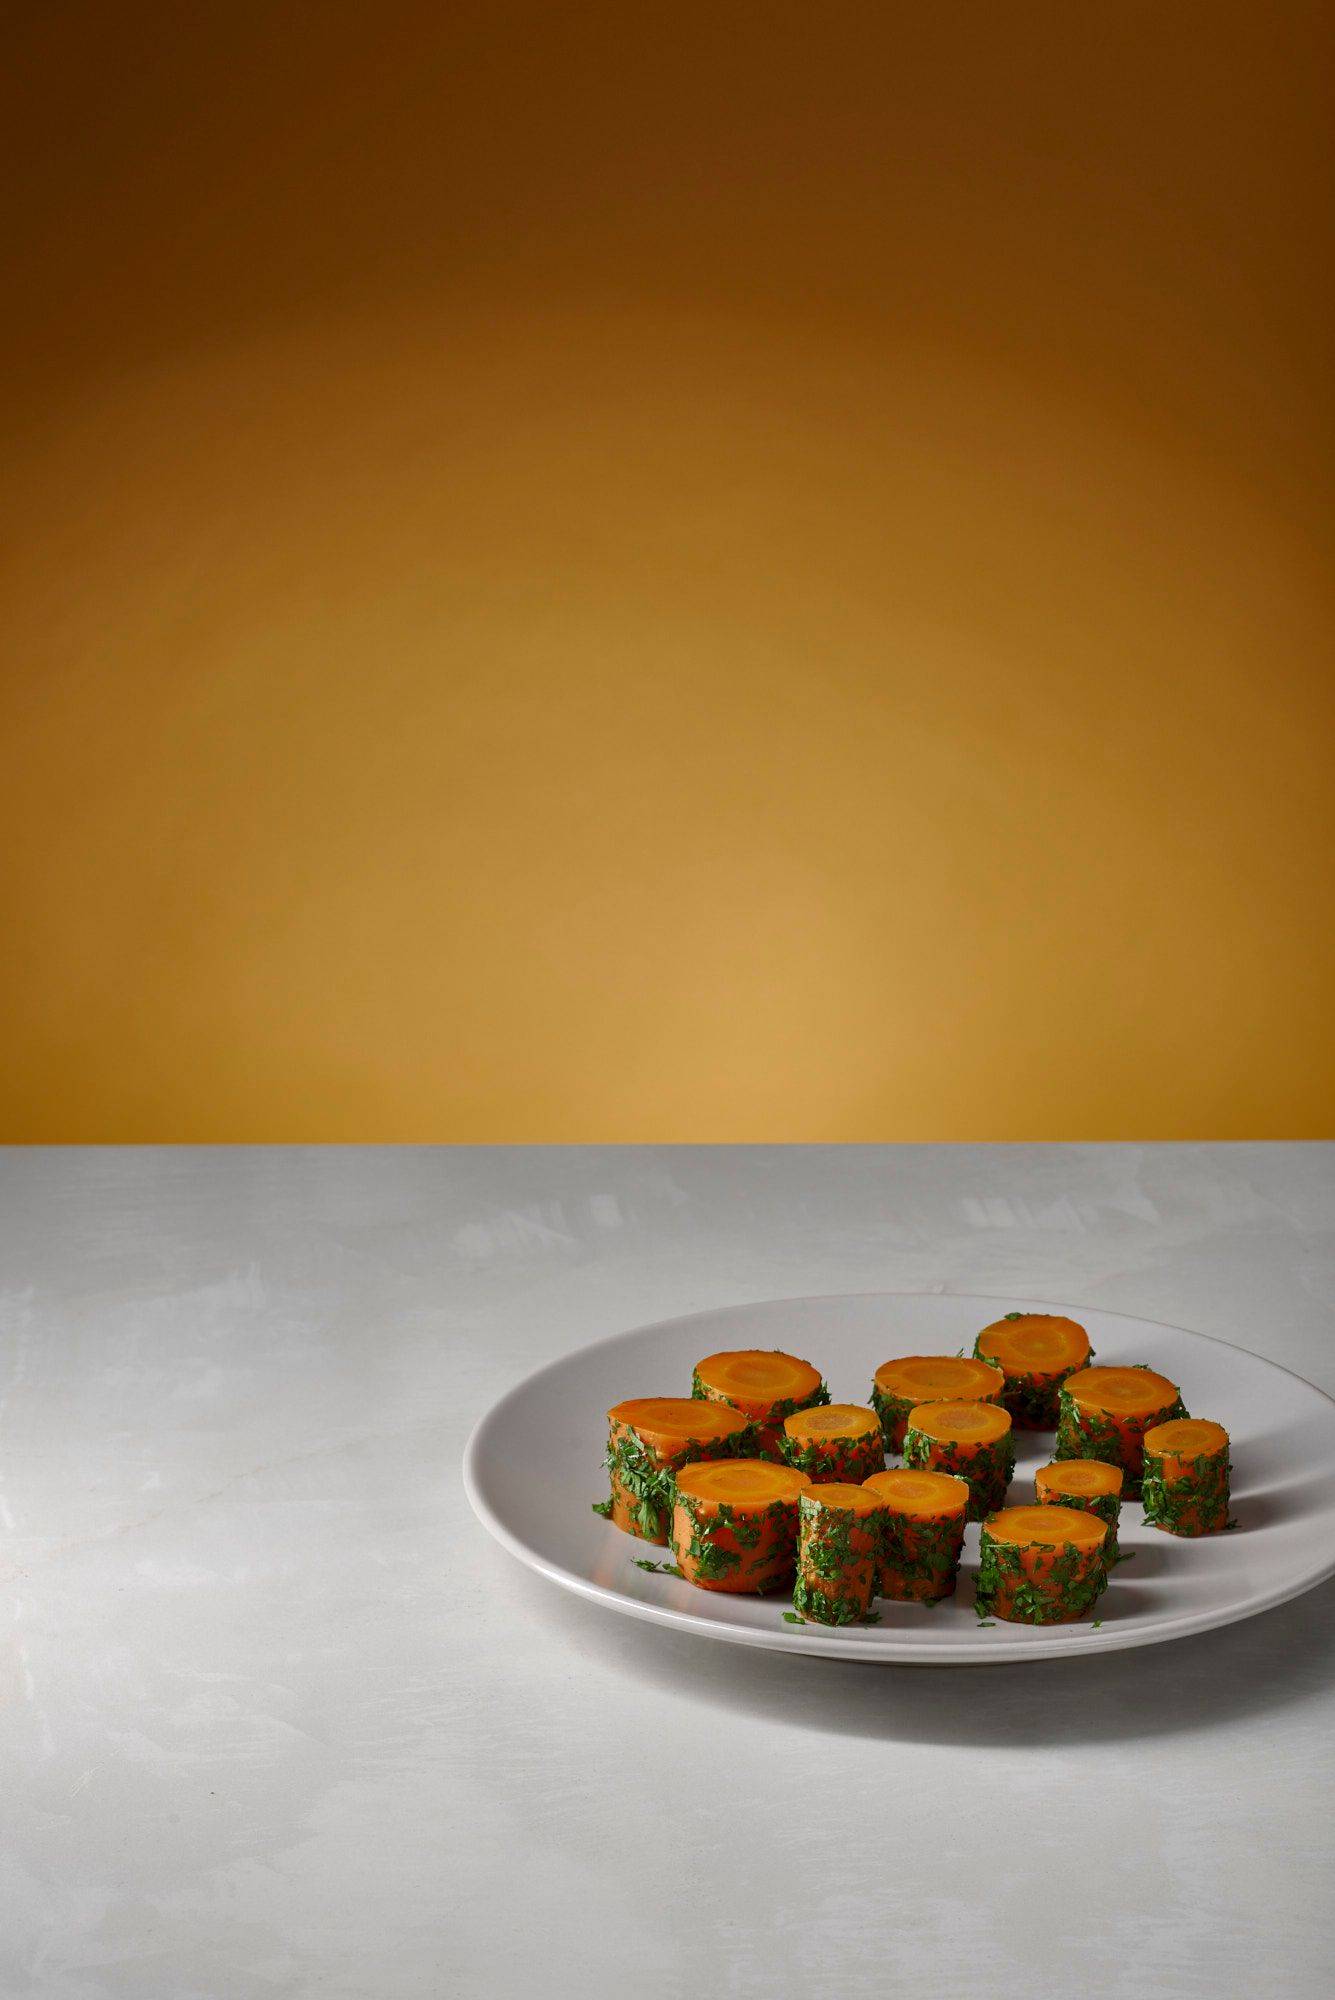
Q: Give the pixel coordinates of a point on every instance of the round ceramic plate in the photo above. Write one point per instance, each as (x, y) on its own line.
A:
(534, 1465)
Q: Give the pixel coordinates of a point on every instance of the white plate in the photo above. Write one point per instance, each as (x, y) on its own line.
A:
(534, 1464)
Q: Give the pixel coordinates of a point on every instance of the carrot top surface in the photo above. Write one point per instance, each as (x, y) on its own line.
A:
(934, 1378)
(844, 1499)
(926, 1495)
(1186, 1437)
(1085, 1476)
(831, 1420)
(741, 1482)
(960, 1423)
(1035, 1343)
(758, 1376)
(681, 1417)
(1045, 1527)
(1123, 1392)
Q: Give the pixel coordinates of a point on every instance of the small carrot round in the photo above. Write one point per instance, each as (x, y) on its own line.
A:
(1040, 1565)
(1105, 1413)
(767, 1386)
(834, 1442)
(734, 1524)
(973, 1441)
(649, 1439)
(839, 1528)
(923, 1534)
(903, 1385)
(1036, 1352)
(1186, 1480)
(1088, 1485)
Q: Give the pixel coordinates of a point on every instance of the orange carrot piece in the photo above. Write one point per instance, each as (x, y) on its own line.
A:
(1036, 1352)
(1088, 1485)
(767, 1386)
(971, 1440)
(834, 1442)
(1105, 1413)
(923, 1533)
(1186, 1482)
(839, 1530)
(734, 1524)
(649, 1439)
(902, 1385)
(1040, 1565)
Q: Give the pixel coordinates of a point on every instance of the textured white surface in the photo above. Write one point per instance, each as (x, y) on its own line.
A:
(278, 1718)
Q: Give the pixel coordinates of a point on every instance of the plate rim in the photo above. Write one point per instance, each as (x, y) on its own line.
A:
(1060, 1644)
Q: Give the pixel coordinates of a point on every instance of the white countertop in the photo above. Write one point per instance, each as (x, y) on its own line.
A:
(278, 1718)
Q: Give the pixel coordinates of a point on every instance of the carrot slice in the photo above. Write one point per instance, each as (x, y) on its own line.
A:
(1036, 1352)
(973, 1441)
(767, 1386)
(649, 1439)
(920, 1496)
(1087, 1485)
(1040, 1565)
(1105, 1413)
(834, 1442)
(902, 1385)
(674, 1419)
(1079, 1478)
(839, 1529)
(1186, 1483)
(745, 1483)
(734, 1524)
(925, 1513)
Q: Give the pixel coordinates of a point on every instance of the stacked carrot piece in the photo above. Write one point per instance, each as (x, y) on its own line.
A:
(760, 1483)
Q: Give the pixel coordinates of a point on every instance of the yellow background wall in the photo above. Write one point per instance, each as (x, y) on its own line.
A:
(664, 572)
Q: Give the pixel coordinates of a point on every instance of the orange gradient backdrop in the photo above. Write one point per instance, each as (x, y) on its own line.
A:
(667, 573)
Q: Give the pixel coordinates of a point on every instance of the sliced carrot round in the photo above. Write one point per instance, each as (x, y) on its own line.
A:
(902, 1385)
(754, 1379)
(734, 1524)
(970, 1440)
(838, 1552)
(1041, 1565)
(1187, 1477)
(960, 1423)
(649, 1439)
(1087, 1477)
(922, 1534)
(848, 1499)
(830, 1420)
(1122, 1392)
(1035, 1343)
(1186, 1437)
(923, 1495)
(836, 1443)
(937, 1378)
(683, 1419)
(1088, 1485)
(741, 1483)
(1046, 1527)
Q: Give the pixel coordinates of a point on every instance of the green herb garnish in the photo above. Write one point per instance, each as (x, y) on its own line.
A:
(1196, 1503)
(848, 1460)
(1067, 1589)
(920, 1558)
